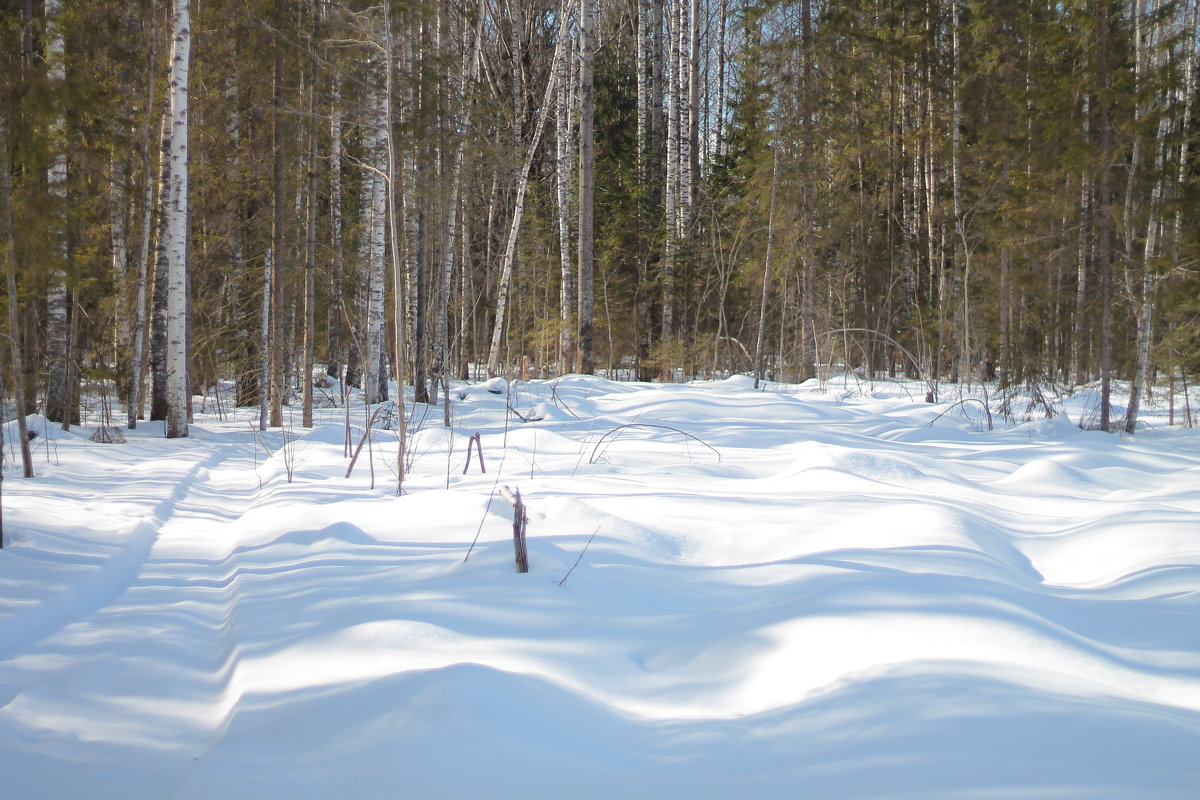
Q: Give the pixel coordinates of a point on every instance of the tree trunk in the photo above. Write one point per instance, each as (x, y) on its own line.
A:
(514, 228)
(441, 354)
(119, 208)
(1083, 259)
(671, 189)
(278, 206)
(264, 369)
(372, 243)
(58, 389)
(564, 170)
(137, 356)
(719, 111)
(336, 359)
(176, 212)
(158, 311)
(1145, 328)
(808, 325)
(397, 277)
(10, 275)
(766, 276)
(586, 185)
(310, 234)
(1102, 212)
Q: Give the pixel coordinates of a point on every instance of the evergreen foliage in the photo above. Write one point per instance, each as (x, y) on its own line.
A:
(1002, 187)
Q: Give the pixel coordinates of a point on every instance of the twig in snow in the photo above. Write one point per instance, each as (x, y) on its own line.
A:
(581, 552)
(488, 507)
(365, 437)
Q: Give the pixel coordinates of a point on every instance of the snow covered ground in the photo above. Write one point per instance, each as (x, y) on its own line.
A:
(830, 593)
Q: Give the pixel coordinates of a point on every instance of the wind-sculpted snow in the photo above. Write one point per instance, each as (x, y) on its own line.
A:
(784, 593)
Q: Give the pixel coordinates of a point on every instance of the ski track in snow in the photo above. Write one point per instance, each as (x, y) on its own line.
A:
(825, 596)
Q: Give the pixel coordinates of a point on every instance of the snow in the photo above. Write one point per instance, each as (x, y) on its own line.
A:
(831, 590)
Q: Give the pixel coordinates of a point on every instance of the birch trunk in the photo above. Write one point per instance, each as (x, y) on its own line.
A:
(397, 278)
(264, 367)
(671, 189)
(279, 204)
(337, 311)
(1145, 330)
(412, 211)
(1083, 258)
(586, 185)
(158, 312)
(1191, 38)
(693, 134)
(58, 388)
(176, 213)
(766, 276)
(371, 247)
(514, 228)
(119, 238)
(1102, 215)
(643, 88)
(310, 236)
(137, 356)
(441, 353)
(719, 113)
(564, 170)
(808, 334)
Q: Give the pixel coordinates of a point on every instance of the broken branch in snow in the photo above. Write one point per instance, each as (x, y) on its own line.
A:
(520, 520)
(478, 446)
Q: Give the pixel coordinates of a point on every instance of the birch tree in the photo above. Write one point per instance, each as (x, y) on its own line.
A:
(587, 44)
(514, 229)
(59, 406)
(175, 212)
(150, 181)
(564, 174)
(462, 126)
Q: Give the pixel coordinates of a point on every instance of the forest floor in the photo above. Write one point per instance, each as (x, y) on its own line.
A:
(820, 591)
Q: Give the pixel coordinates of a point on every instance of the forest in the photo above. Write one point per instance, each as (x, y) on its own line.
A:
(263, 193)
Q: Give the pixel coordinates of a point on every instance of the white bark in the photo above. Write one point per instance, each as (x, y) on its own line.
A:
(441, 352)
(393, 230)
(1191, 40)
(671, 189)
(337, 348)
(719, 136)
(643, 88)
(371, 247)
(1082, 258)
(564, 169)
(57, 296)
(691, 153)
(175, 200)
(119, 237)
(586, 184)
(264, 372)
(766, 275)
(514, 229)
(1145, 333)
(138, 345)
(310, 236)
